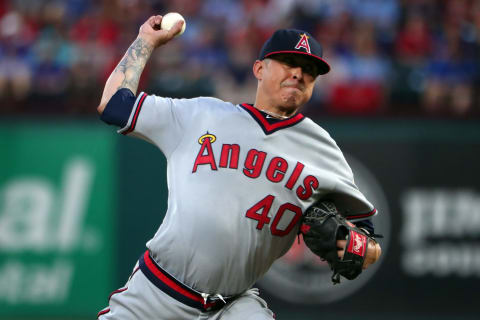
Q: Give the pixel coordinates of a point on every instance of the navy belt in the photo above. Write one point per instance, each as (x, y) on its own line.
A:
(177, 290)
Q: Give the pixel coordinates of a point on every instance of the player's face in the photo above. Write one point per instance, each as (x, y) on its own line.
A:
(287, 80)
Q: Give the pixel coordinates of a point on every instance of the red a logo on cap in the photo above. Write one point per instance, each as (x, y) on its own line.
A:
(303, 43)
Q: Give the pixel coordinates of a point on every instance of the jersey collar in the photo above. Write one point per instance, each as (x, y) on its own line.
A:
(269, 126)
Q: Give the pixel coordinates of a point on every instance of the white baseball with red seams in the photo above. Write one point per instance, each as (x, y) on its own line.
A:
(169, 20)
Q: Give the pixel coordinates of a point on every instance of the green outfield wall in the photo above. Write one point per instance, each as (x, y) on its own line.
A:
(57, 218)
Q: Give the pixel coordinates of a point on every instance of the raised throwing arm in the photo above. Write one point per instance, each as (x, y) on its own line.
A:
(128, 71)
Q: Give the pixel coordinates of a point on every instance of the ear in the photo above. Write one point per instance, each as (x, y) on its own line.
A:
(258, 67)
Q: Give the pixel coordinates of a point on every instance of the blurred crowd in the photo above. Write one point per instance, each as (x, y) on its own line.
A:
(388, 57)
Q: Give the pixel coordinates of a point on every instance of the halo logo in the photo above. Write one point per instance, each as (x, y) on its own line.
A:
(302, 277)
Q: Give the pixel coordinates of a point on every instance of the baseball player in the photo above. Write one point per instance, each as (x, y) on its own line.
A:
(239, 178)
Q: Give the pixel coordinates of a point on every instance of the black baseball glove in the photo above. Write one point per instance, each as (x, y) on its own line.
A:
(322, 226)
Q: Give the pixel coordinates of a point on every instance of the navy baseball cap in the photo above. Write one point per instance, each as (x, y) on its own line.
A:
(295, 41)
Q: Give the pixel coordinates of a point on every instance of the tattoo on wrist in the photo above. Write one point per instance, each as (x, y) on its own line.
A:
(133, 63)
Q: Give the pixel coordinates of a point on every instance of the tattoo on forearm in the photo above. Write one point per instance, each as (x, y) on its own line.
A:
(133, 63)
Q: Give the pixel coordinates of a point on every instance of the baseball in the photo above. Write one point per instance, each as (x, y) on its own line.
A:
(170, 19)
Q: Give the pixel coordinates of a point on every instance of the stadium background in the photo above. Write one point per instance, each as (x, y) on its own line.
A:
(78, 202)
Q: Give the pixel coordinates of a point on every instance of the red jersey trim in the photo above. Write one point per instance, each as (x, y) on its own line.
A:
(363, 215)
(103, 312)
(270, 128)
(107, 309)
(109, 297)
(135, 116)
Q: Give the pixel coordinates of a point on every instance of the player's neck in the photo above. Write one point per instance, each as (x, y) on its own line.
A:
(276, 112)
(274, 115)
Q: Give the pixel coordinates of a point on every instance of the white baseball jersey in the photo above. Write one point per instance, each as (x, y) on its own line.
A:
(238, 183)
